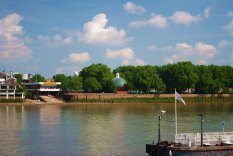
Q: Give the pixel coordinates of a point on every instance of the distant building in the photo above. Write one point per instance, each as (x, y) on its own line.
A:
(8, 85)
(120, 84)
(26, 77)
(44, 88)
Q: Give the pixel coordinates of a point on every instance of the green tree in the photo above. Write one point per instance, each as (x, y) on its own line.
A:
(146, 78)
(37, 78)
(181, 76)
(19, 78)
(203, 85)
(22, 87)
(74, 83)
(218, 79)
(102, 73)
(227, 78)
(92, 85)
(68, 83)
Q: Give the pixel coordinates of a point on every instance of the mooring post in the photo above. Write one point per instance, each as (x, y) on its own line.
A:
(201, 128)
(159, 117)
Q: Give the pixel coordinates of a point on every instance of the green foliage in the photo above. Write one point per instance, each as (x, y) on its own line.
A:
(19, 78)
(21, 88)
(181, 76)
(146, 78)
(91, 84)
(205, 80)
(68, 83)
(103, 75)
(142, 78)
(37, 78)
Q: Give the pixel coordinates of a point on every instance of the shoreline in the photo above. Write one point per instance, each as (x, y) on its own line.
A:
(104, 98)
(97, 103)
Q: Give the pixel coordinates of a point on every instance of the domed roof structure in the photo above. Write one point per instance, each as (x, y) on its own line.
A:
(118, 81)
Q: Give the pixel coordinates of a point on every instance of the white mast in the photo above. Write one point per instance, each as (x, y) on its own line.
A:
(175, 113)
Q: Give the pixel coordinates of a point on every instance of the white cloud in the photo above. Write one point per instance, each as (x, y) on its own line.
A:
(225, 44)
(229, 27)
(126, 54)
(181, 17)
(158, 21)
(199, 53)
(57, 40)
(206, 12)
(206, 50)
(82, 57)
(139, 62)
(174, 58)
(11, 46)
(230, 14)
(184, 47)
(131, 8)
(96, 32)
(155, 48)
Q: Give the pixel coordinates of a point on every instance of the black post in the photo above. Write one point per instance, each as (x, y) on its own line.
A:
(159, 138)
(201, 128)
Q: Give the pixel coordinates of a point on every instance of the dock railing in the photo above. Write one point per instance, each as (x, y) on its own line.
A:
(211, 138)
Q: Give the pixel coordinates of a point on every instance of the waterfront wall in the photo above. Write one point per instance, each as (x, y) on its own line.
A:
(102, 97)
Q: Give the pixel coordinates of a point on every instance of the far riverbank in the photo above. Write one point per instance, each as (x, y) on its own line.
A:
(91, 98)
(144, 98)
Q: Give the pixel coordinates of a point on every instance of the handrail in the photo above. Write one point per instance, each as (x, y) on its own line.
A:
(210, 138)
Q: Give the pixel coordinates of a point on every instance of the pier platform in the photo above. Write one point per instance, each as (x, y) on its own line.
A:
(170, 150)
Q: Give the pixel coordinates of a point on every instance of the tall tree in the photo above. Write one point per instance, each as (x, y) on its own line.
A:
(102, 73)
(181, 76)
(204, 79)
(69, 83)
(92, 85)
(146, 78)
(37, 78)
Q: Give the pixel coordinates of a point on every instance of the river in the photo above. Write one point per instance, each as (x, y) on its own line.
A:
(100, 129)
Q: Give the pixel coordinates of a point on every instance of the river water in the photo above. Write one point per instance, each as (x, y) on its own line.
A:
(100, 129)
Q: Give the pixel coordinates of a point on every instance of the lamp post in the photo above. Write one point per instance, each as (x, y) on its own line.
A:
(201, 128)
(160, 115)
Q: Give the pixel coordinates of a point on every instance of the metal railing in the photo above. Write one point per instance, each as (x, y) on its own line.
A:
(211, 138)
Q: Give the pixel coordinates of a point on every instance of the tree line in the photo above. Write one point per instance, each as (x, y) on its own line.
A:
(184, 76)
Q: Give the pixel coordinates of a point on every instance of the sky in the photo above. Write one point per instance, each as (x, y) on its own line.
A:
(56, 36)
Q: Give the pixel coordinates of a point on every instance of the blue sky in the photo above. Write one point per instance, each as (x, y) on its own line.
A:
(55, 36)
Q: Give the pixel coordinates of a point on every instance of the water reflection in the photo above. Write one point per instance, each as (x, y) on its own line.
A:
(12, 120)
(100, 129)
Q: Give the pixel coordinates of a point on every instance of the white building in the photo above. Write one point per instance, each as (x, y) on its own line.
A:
(8, 85)
(44, 88)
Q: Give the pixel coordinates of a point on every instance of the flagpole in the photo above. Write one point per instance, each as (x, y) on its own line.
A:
(175, 113)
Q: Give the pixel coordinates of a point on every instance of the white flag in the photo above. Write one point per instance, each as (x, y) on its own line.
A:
(178, 97)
